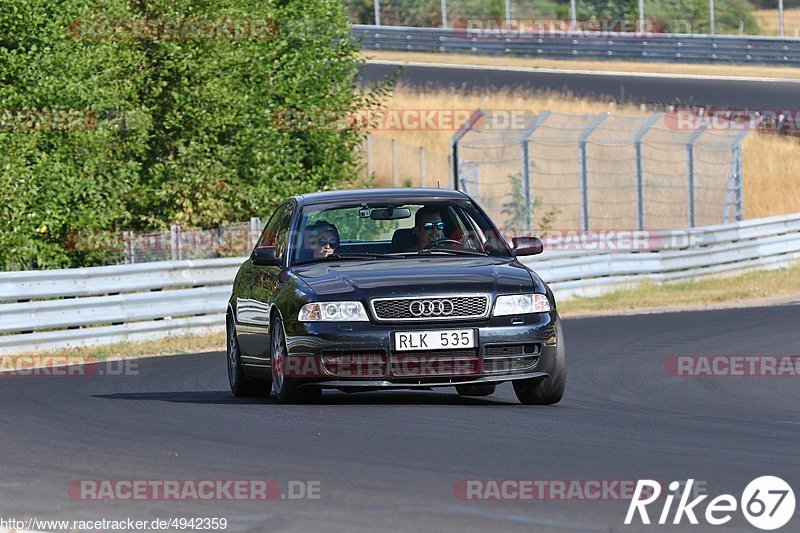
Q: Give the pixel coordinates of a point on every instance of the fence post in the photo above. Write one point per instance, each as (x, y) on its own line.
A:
(690, 167)
(132, 247)
(737, 175)
(255, 224)
(369, 154)
(526, 173)
(711, 17)
(780, 15)
(394, 162)
(175, 241)
(421, 166)
(454, 140)
(637, 143)
(596, 121)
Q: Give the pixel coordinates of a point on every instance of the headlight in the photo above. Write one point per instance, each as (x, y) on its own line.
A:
(520, 304)
(332, 311)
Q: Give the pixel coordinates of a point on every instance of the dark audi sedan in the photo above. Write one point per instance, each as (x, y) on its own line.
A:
(391, 289)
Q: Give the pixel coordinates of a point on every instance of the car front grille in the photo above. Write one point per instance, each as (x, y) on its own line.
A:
(441, 363)
(510, 358)
(431, 308)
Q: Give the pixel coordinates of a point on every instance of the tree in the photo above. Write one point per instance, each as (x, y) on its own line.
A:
(179, 129)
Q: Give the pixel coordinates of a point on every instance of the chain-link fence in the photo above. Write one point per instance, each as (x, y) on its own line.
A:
(178, 243)
(605, 171)
(719, 17)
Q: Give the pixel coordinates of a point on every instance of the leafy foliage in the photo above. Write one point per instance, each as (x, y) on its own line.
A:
(185, 130)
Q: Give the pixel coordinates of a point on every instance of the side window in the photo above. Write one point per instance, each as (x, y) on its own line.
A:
(270, 234)
(282, 232)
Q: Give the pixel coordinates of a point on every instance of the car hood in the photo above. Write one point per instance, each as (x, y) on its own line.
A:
(417, 276)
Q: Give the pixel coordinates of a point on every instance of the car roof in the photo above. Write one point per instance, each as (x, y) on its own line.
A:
(407, 195)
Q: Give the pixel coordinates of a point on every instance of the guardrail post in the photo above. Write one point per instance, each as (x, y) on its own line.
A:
(584, 167)
(444, 14)
(637, 143)
(690, 167)
(175, 241)
(454, 140)
(377, 12)
(526, 176)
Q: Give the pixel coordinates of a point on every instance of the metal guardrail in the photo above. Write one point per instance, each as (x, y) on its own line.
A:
(48, 310)
(678, 48)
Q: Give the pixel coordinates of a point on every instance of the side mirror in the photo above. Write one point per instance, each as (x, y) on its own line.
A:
(527, 245)
(266, 256)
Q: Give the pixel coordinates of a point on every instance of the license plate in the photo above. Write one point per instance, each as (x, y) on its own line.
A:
(434, 340)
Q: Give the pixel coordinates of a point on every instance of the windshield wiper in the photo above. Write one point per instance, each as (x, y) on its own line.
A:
(334, 257)
(453, 252)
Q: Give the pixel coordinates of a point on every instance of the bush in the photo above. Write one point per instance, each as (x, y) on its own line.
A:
(178, 131)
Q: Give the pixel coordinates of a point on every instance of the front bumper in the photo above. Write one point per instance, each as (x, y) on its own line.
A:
(360, 355)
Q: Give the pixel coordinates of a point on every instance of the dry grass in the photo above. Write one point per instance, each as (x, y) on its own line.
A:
(752, 288)
(769, 22)
(757, 71)
(127, 350)
(771, 179)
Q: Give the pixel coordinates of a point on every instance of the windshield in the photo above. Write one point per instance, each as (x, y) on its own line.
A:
(394, 231)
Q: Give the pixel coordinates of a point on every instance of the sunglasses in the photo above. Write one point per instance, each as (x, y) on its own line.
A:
(325, 242)
(431, 225)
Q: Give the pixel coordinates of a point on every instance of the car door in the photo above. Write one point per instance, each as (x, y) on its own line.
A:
(260, 285)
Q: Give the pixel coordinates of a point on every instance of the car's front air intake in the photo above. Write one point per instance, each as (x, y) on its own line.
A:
(431, 308)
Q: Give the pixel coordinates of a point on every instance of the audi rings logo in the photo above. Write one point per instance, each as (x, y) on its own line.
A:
(430, 308)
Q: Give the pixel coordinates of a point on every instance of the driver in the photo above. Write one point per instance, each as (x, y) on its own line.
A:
(428, 226)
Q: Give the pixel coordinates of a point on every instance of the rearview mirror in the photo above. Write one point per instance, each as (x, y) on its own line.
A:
(266, 256)
(390, 213)
(527, 245)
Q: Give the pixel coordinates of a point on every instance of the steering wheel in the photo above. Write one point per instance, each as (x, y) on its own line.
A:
(440, 242)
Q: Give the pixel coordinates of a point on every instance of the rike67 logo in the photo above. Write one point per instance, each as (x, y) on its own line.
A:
(767, 503)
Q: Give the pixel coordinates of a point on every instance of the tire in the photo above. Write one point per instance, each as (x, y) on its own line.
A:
(241, 385)
(286, 388)
(548, 390)
(476, 390)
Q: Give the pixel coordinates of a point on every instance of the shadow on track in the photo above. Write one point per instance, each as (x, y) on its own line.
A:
(328, 398)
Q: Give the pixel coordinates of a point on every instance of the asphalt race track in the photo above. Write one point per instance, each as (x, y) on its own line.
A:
(389, 461)
(726, 93)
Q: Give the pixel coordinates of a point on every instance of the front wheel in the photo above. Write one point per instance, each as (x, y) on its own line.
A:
(546, 391)
(286, 387)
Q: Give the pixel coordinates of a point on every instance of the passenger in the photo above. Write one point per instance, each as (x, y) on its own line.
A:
(322, 238)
